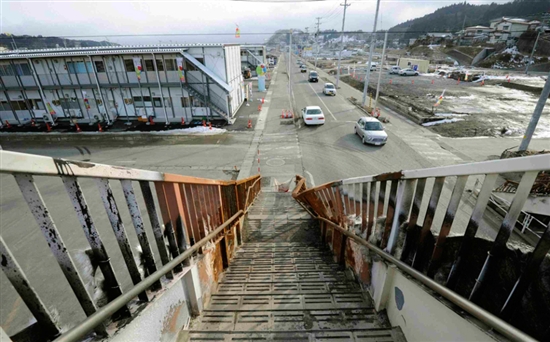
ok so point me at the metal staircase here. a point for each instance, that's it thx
(284, 285)
(208, 100)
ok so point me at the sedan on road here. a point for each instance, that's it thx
(371, 131)
(329, 89)
(408, 72)
(313, 115)
(313, 76)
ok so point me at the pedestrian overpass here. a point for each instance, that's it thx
(358, 259)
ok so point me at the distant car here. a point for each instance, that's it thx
(313, 115)
(395, 70)
(303, 68)
(408, 72)
(329, 89)
(313, 76)
(371, 131)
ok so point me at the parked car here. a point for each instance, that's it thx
(408, 72)
(313, 115)
(371, 131)
(303, 68)
(395, 70)
(329, 89)
(313, 76)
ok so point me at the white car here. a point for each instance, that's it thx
(395, 70)
(313, 115)
(371, 131)
(329, 89)
(408, 72)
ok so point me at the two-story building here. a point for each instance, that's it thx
(507, 30)
(88, 85)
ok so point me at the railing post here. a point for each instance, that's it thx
(57, 246)
(135, 214)
(390, 213)
(113, 214)
(92, 235)
(402, 207)
(19, 280)
(155, 223)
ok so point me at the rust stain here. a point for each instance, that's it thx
(389, 176)
(171, 324)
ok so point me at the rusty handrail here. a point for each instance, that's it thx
(248, 194)
(486, 317)
(79, 331)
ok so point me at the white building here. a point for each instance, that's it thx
(506, 30)
(166, 82)
(252, 56)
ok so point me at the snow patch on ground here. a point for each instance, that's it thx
(193, 130)
(433, 123)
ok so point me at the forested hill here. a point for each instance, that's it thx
(450, 18)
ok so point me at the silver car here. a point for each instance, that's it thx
(408, 72)
(371, 131)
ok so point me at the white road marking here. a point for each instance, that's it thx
(311, 178)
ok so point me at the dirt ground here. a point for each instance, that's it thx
(496, 108)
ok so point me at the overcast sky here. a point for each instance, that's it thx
(106, 18)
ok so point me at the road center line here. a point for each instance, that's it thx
(323, 102)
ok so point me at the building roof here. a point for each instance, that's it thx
(439, 34)
(103, 50)
(515, 21)
(478, 27)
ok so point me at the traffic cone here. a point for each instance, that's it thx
(151, 121)
(263, 100)
(8, 124)
(48, 127)
(412, 82)
(203, 123)
(391, 81)
(249, 124)
(482, 82)
(432, 81)
(210, 126)
(99, 127)
(33, 124)
(259, 107)
(78, 130)
(282, 114)
(182, 121)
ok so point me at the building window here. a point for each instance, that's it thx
(185, 102)
(129, 64)
(243, 53)
(149, 65)
(19, 105)
(4, 105)
(160, 65)
(37, 104)
(157, 103)
(197, 102)
(261, 53)
(23, 69)
(71, 103)
(170, 65)
(506, 28)
(6, 70)
(200, 59)
(99, 66)
(79, 67)
(141, 103)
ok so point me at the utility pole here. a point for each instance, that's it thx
(462, 35)
(533, 51)
(317, 41)
(372, 43)
(345, 4)
(536, 116)
(380, 71)
(289, 62)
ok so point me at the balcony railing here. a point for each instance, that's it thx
(193, 210)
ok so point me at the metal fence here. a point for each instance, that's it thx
(353, 206)
(192, 210)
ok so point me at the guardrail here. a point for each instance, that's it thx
(193, 211)
(353, 206)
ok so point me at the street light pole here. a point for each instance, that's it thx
(372, 42)
(380, 71)
(317, 42)
(345, 4)
(536, 116)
